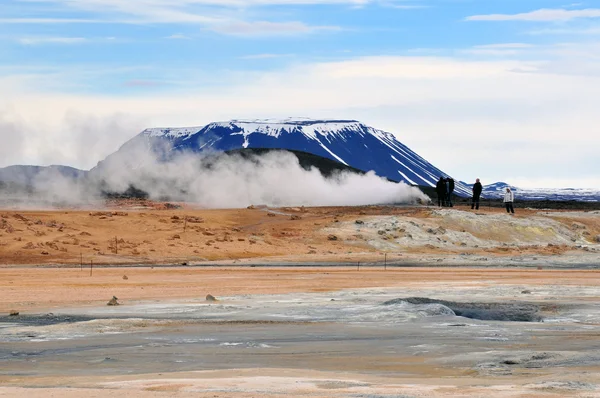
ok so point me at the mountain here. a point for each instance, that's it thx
(497, 190)
(25, 175)
(348, 142)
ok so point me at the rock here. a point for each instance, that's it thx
(113, 301)
(210, 297)
(526, 292)
(125, 277)
(332, 237)
(597, 239)
(251, 207)
(45, 253)
(175, 218)
(172, 206)
(13, 313)
(295, 217)
(176, 237)
(271, 214)
(380, 232)
(359, 222)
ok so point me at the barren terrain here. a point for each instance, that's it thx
(390, 310)
(147, 233)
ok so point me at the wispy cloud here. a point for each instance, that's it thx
(266, 56)
(542, 15)
(33, 41)
(177, 36)
(567, 31)
(221, 16)
(264, 28)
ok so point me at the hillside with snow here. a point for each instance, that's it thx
(349, 142)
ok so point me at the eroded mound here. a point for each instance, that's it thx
(512, 312)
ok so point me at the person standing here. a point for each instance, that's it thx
(450, 191)
(509, 198)
(440, 189)
(477, 188)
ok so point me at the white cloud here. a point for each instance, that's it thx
(455, 112)
(37, 40)
(542, 15)
(262, 28)
(178, 36)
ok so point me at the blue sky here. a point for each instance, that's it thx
(510, 85)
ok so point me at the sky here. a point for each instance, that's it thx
(502, 90)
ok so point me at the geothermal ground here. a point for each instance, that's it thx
(471, 303)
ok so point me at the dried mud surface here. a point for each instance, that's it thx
(521, 321)
(127, 232)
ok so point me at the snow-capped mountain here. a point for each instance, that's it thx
(496, 191)
(346, 141)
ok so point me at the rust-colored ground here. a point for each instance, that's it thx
(30, 290)
(148, 233)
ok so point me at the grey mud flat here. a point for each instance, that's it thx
(383, 342)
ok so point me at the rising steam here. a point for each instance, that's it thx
(220, 181)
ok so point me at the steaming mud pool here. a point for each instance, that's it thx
(411, 342)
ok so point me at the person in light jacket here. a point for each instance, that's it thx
(509, 198)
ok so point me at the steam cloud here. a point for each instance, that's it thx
(219, 181)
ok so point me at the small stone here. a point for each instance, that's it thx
(526, 292)
(210, 297)
(332, 237)
(271, 214)
(113, 301)
(125, 277)
(14, 313)
(359, 222)
(176, 236)
(295, 217)
(45, 253)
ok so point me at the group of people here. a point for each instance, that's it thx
(445, 188)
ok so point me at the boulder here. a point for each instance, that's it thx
(113, 301)
(210, 297)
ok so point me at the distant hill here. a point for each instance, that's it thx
(348, 142)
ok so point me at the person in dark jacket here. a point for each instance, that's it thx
(477, 188)
(450, 191)
(440, 189)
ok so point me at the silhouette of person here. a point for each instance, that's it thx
(450, 181)
(440, 189)
(477, 188)
(509, 198)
